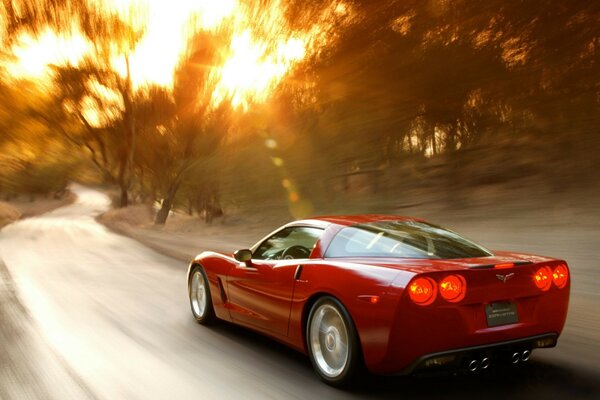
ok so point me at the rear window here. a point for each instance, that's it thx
(402, 239)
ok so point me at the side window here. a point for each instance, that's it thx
(288, 244)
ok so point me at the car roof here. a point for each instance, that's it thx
(347, 220)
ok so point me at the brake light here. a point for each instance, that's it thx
(453, 288)
(560, 276)
(504, 266)
(543, 278)
(422, 291)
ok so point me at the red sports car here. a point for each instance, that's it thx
(396, 295)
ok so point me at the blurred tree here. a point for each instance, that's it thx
(83, 86)
(34, 16)
(103, 103)
(438, 76)
(197, 128)
(33, 159)
(448, 82)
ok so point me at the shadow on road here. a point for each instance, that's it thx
(529, 381)
(532, 380)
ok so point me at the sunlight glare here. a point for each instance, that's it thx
(250, 71)
(168, 27)
(34, 55)
(260, 49)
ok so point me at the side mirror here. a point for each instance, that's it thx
(243, 255)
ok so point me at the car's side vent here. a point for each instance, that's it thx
(222, 291)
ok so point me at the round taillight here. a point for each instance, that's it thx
(453, 288)
(543, 278)
(422, 291)
(560, 275)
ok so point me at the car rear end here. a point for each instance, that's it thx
(476, 316)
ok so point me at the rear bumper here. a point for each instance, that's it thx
(496, 353)
(418, 332)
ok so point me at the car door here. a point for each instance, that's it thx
(260, 292)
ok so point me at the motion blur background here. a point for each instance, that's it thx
(211, 122)
(303, 107)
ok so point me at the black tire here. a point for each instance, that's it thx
(201, 301)
(329, 324)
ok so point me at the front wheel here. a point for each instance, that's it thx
(332, 342)
(200, 298)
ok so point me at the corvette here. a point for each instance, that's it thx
(393, 294)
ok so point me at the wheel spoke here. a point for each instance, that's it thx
(329, 340)
(198, 294)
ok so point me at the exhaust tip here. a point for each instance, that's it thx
(473, 365)
(516, 357)
(485, 363)
(525, 355)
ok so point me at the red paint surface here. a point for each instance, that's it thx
(393, 331)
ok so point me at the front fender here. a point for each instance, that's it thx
(216, 266)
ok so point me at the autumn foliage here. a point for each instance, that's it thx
(301, 102)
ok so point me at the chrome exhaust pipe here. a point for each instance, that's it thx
(473, 365)
(516, 357)
(525, 355)
(485, 363)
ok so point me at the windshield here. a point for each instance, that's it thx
(403, 239)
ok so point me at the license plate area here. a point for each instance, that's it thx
(501, 313)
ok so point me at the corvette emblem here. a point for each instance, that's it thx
(506, 277)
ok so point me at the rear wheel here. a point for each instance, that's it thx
(332, 342)
(200, 298)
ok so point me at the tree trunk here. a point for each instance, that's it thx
(163, 213)
(124, 202)
(167, 204)
(123, 184)
(126, 162)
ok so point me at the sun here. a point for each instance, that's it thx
(252, 70)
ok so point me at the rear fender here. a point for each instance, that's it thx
(354, 286)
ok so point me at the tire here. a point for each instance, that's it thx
(332, 342)
(200, 298)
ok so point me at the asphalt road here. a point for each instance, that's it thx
(85, 313)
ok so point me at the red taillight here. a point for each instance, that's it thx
(560, 276)
(422, 291)
(504, 266)
(453, 288)
(543, 278)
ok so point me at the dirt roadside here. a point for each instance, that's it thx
(183, 237)
(20, 208)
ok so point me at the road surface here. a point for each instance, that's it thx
(88, 314)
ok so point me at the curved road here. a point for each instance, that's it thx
(86, 313)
